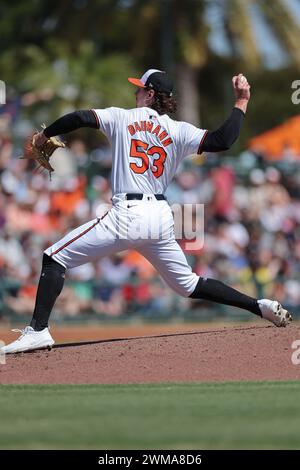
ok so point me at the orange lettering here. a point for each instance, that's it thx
(131, 129)
(167, 142)
(149, 126)
(156, 131)
(162, 135)
(137, 127)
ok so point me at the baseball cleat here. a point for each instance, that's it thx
(274, 312)
(29, 341)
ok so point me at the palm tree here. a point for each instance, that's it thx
(176, 34)
(285, 27)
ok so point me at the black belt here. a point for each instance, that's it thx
(129, 196)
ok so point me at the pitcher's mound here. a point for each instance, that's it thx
(215, 354)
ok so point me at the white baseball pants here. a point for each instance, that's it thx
(146, 226)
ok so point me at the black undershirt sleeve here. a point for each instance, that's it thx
(214, 141)
(71, 122)
(222, 138)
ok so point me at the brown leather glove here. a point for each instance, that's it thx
(42, 153)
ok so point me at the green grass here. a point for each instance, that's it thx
(256, 415)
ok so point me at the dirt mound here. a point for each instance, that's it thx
(215, 354)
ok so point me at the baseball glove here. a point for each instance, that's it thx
(42, 153)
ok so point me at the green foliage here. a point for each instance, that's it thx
(68, 54)
(63, 80)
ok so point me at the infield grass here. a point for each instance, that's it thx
(247, 415)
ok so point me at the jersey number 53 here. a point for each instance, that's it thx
(139, 149)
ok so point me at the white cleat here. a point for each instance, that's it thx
(29, 340)
(274, 312)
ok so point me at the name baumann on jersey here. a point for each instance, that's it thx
(148, 126)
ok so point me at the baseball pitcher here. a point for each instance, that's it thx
(147, 147)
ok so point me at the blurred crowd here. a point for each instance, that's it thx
(251, 223)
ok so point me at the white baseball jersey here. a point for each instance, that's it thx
(146, 147)
(146, 151)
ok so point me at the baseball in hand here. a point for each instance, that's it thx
(241, 80)
(241, 87)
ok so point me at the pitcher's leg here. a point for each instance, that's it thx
(77, 247)
(88, 242)
(50, 286)
(169, 260)
(217, 291)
